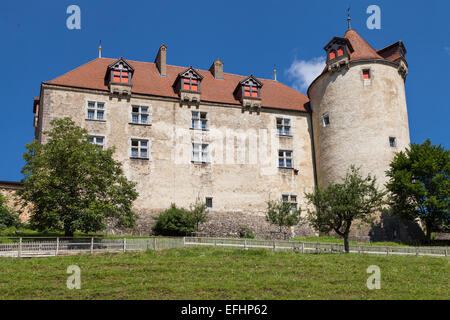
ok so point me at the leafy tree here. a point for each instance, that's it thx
(420, 187)
(74, 184)
(198, 212)
(8, 218)
(280, 213)
(338, 205)
(174, 222)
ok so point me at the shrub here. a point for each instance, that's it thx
(8, 218)
(174, 222)
(246, 232)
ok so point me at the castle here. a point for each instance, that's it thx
(238, 141)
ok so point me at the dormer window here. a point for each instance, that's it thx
(120, 72)
(121, 76)
(338, 49)
(332, 55)
(189, 81)
(190, 84)
(249, 88)
(251, 91)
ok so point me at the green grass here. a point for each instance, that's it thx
(330, 239)
(218, 273)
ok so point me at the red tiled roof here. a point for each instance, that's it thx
(392, 52)
(146, 80)
(362, 50)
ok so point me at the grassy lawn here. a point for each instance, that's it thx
(218, 273)
(329, 239)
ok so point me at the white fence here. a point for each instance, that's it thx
(45, 247)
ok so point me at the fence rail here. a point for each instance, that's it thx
(46, 247)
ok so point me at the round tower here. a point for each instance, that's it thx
(359, 108)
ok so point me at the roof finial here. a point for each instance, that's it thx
(349, 19)
(274, 73)
(100, 49)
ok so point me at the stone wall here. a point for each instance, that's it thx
(243, 174)
(9, 191)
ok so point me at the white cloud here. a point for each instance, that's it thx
(447, 49)
(303, 72)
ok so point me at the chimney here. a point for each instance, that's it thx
(161, 60)
(217, 69)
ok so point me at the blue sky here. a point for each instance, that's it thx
(249, 37)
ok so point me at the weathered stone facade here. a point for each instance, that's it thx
(242, 176)
(13, 201)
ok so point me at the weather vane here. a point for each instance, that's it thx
(349, 19)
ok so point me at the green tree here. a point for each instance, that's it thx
(74, 184)
(8, 218)
(419, 185)
(174, 222)
(280, 213)
(339, 204)
(198, 212)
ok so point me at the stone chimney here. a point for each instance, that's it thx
(217, 69)
(161, 60)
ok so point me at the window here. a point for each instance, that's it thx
(121, 76)
(209, 202)
(139, 148)
(190, 84)
(366, 74)
(200, 152)
(332, 54)
(392, 142)
(340, 51)
(199, 120)
(251, 91)
(285, 158)
(97, 140)
(96, 110)
(139, 114)
(284, 126)
(326, 120)
(292, 199)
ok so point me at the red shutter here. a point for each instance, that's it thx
(366, 74)
(340, 51)
(332, 55)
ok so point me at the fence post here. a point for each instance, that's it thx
(57, 246)
(303, 247)
(124, 244)
(154, 243)
(417, 251)
(20, 248)
(215, 242)
(317, 248)
(387, 251)
(245, 244)
(92, 245)
(359, 249)
(274, 245)
(446, 251)
(184, 242)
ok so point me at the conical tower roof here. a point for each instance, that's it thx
(361, 49)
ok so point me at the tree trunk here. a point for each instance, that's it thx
(346, 245)
(428, 232)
